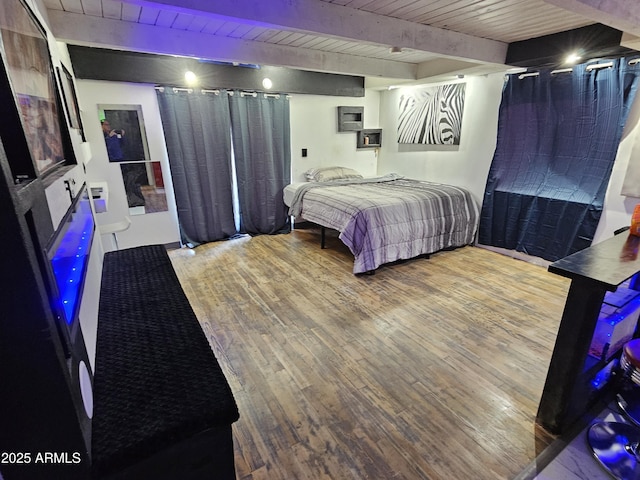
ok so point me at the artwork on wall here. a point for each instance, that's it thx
(431, 115)
(144, 186)
(28, 66)
(70, 99)
(124, 134)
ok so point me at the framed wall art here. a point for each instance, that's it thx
(26, 61)
(431, 115)
(70, 99)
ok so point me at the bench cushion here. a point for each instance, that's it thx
(157, 381)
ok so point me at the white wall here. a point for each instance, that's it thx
(466, 165)
(618, 208)
(150, 228)
(314, 126)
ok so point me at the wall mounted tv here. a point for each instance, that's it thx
(68, 258)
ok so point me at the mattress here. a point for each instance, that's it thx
(290, 191)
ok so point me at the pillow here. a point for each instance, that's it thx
(326, 174)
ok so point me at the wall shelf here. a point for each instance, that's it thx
(370, 138)
(350, 119)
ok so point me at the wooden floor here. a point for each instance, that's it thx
(429, 369)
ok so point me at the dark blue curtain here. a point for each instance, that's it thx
(558, 135)
(262, 152)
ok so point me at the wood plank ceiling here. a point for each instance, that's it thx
(343, 36)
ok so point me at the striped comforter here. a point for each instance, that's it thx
(389, 218)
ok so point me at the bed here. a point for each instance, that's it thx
(388, 218)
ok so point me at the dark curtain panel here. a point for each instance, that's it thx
(261, 146)
(558, 135)
(197, 132)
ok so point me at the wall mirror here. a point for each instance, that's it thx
(126, 142)
(144, 186)
(124, 133)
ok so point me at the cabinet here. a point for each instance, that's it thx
(577, 379)
(42, 400)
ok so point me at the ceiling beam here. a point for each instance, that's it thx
(623, 15)
(328, 19)
(630, 41)
(442, 67)
(93, 31)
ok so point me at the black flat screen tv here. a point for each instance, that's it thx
(68, 259)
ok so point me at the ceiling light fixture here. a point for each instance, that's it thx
(190, 77)
(572, 58)
(395, 50)
(267, 83)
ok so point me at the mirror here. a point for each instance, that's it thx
(144, 186)
(126, 142)
(124, 134)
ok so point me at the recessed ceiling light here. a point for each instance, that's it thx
(190, 77)
(572, 58)
(267, 83)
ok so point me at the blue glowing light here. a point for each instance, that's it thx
(68, 266)
(602, 377)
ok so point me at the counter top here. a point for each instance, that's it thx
(608, 263)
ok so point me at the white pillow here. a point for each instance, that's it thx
(326, 174)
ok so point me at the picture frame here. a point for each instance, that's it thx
(70, 99)
(26, 60)
(431, 115)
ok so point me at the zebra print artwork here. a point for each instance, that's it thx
(431, 116)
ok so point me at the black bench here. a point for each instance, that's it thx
(162, 406)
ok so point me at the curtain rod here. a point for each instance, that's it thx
(217, 92)
(562, 70)
(175, 89)
(595, 66)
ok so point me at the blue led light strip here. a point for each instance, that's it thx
(70, 257)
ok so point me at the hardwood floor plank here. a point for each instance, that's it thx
(429, 369)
